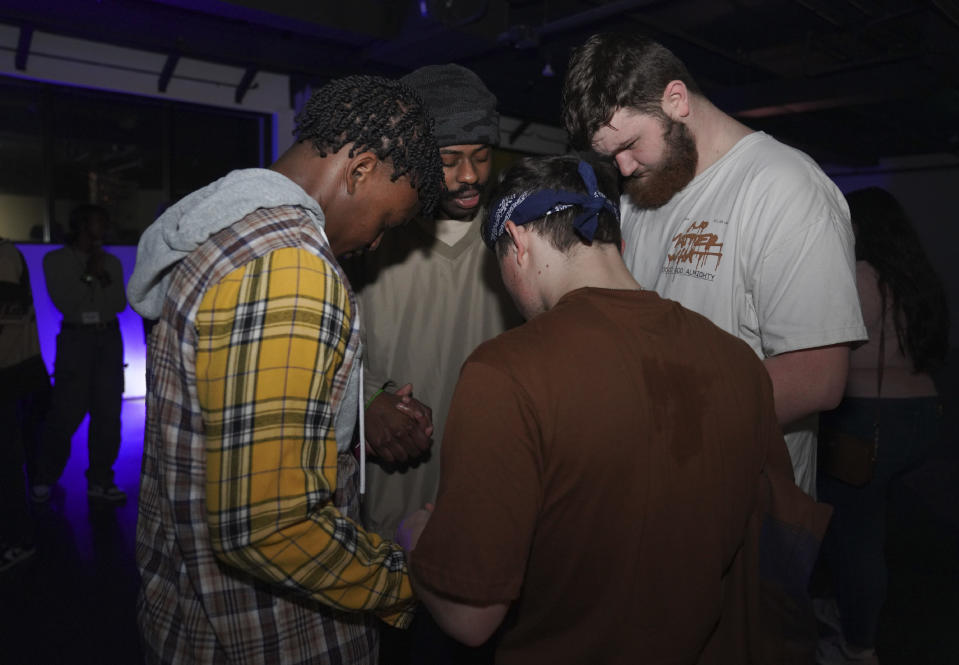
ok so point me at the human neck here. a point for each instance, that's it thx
(598, 266)
(714, 132)
(299, 164)
(450, 231)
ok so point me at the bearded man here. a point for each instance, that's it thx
(727, 221)
(429, 296)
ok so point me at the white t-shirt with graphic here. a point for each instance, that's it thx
(761, 244)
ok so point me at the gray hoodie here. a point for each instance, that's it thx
(191, 221)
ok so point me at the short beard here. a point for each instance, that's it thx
(677, 168)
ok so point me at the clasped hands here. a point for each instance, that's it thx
(96, 266)
(399, 428)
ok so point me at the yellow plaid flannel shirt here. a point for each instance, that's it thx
(270, 337)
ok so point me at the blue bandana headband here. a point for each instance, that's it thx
(525, 207)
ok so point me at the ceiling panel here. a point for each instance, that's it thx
(850, 81)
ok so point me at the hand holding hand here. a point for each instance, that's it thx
(415, 409)
(398, 427)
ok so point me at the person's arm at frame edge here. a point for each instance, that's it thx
(808, 381)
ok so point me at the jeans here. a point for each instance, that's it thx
(88, 379)
(16, 443)
(855, 542)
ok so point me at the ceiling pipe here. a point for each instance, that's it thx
(415, 32)
(168, 67)
(463, 22)
(947, 11)
(245, 83)
(23, 47)
(525, 36)
(591, 16)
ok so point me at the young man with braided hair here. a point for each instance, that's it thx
(727, 221)
(603, 465)
(248, 540)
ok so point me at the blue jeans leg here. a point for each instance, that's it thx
(855, 543)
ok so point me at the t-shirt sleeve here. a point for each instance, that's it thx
(477, 542)
(806, 287)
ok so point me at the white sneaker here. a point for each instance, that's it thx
(835, 651)
(15, 554)
(827, 613)
(110, 493)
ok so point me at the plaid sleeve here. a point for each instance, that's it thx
(271, 336)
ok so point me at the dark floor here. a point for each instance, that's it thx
(74, 603)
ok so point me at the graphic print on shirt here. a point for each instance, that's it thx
(697, 251)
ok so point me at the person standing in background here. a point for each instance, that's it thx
(890, 387)
(85, 283)
(23, 376)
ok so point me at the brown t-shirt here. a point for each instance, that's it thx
(599, 468)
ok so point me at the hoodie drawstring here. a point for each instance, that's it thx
(360, 403)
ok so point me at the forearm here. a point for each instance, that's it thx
(808, 381)
(267, 403)
(271, 513)
(320, 554)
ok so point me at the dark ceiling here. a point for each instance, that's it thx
(849, 81)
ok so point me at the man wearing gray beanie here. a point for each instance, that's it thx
(463, 109)
(428, 296)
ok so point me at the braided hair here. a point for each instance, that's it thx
(383, 116)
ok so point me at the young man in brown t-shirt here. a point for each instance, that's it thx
(599, 493)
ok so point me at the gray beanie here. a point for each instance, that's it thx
(463, 109)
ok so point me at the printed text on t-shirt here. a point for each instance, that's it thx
(694, 250)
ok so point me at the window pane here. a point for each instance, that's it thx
(63, 146)
(208, 144)
(107, 150)
(22, 207)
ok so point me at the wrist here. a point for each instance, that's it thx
(373, 397)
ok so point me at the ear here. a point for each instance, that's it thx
(360, 169)
(520, 237)
(676, 100)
